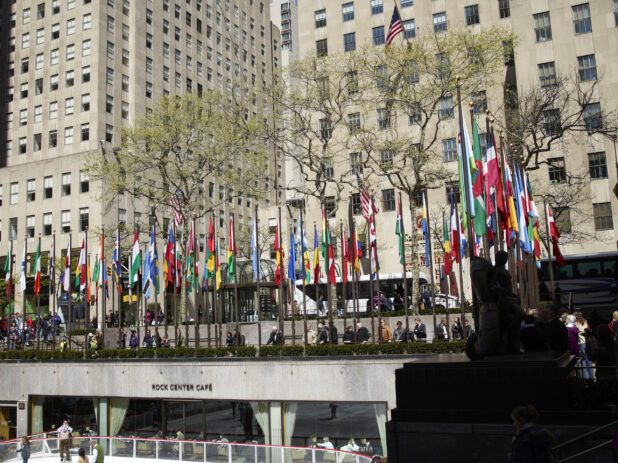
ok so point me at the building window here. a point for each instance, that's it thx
(86, 44)
(381, 76)
(25, 41)
(110, 50)
(587, 67)
(66, 184)
(446, 110)
(55, 6)
(354, 123)
(551, 122)
(69, 79)
(25, 64)
(376, 6)
(407, 3)
(472, 15)
(48, 187)
(23, 116)
(125, 83)
(83, 218)
(13, 228)
(542, 26)
(148, 90)
(388, 200)
(109, 104)
(592, 117)
(65, 222)
(386, 159)
(30, 226)
(86, 22)
(556, 170)
(415, 115)
(54, 57)
(479, 99)
(597, 165)
(85, 104)
(357, 207)
(68, 106)
(409, 28)
(23, 145)
(449, 150)
(356, 163)
(84, 182)
(52, 139)
(320, 18)
(36, 142)
(349, 41)
(125, 110)
(347, 11)
(384, 119)
(581, 19)
(602, 216)
(125, 57)
(327, 171)
(13, 193)
(38, 113)
(85, 132)
(547, 74)
(71, 26)
(109, 133)
(47, 224)
(504, 8)
(439, 22)
(321, 47)
(86, 74)
(325, 130)
(378, 35)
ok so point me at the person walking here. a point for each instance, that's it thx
(25, 449)
(531, 442)
(64, 434)
(98, 454)
(386, 335)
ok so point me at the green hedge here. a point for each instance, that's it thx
(245, 351)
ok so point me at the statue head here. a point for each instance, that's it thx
(501, 258)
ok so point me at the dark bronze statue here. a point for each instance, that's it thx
(498, 314)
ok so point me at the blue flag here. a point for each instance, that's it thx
(292, 261)
(254, 251)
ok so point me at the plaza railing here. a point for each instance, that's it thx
(122, 449)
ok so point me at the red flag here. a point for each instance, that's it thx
(277, 248)
(555, 235)
(346, 257)
(332, 277)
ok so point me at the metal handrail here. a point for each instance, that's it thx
(584, 435)
(586, 451)
(227, 448)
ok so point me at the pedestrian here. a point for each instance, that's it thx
(133, 341)
(531, 442)
(362, 334)
(311, 336)
(238, 338)
(64, 344)
(457, 330)
(64, 434)
(275, 337)
(555, 332)
(82, 457)
(323, 334)
(613, 326)
(148, 341)
(25, 449)
(442, 331)
(229, 340)
(386, 335)
(572, 331)
(321, 306)
(122, 339)
(420, 331)
(98, 455)
(399, 334)
(339, 305)
(348, 336)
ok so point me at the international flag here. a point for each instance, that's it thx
(425, 232)
(146, 282)
(88, 280)
(358, 254)
(524, 242)
(395, 28)
(7, 268)
(510, 201)
(80, 272)
(292, 259)
(346, 256)
(66, 277)
(97, 274)
(304, 250)
(37, 269)
(254, 251)
(52, 267)
(117, 262)
(177, 211)
(189, 272)
(231, 253)
(480, 216)
(210, 253)
(152, 262)
(465, 162)
(455, 241)
(169, 264)
(136, 260)
(332, 276)
(366, 201)
(22, 274)
(316, 257)
(555, 236)
(217, 268)
(278, 260)
(448, 262)
(325, 242)
(375, 267)
(400, 231)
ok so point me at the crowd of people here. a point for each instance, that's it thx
(17, 330)
(592, 340)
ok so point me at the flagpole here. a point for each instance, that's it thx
(316, 282)
(38, 300)
(232, 246)
(144, 299)
(183, 290)
(69, 305)
(281, 278)
(447, 281)
(484, 239)
(257, 282)
(373, 215)
(352, 238)
(292, 286)
(344, 277)
(87, 309)
(214, 287)
(549, 251)
(174, 276)
(462, 307)
(371, 306)
(101, 321)
(196, 284)
(329, 295)
(403, 270)
(23, 293)
(206, 309)
(154, 280)
(431, 270)
(303, 274)
(51, 290)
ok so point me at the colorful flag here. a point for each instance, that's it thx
(292, 259)
(448, 263)
(169, 264)
(316, 257)
(37, 269)
(136, 261)
(189, 271)
(510, 201)
(464, 160)
(279, 257)
(366, 201)
(7, 268)
(375, 267)
(217, 267)
(254, 251)
(152, 261)
(345, 257)
(231, 253)
(88, 280)
(80, 272)
(210, 253)
(400, 232)
(146, 281)
(117, 262)
(358, 254)
(480, 216)
(425, 233)
(455, 240)
(524, 242)
(22, 274)
(52, 266)
(66, 277)
(555, 235)
(176, 210)
(304, 250)
(395, 28)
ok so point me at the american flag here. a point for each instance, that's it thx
(176, 210)
(395, 28)
(366, 200)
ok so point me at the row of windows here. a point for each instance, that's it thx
(48, 188)
(582, 23)
(586, 66)
(52, 138)
(47, 223)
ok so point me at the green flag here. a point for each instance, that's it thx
(480, 223)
